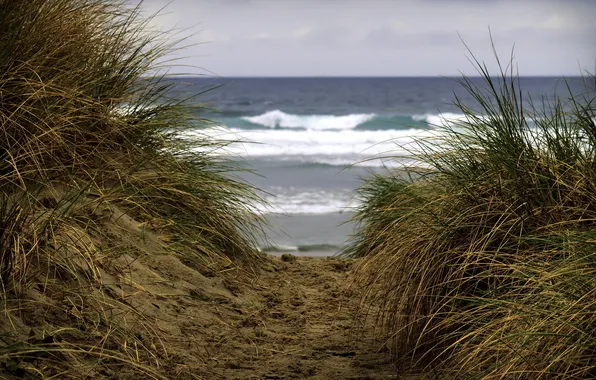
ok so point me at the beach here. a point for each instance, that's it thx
(296, 319)
(159, 225)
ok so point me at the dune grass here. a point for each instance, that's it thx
(89, 129)
(480, 259)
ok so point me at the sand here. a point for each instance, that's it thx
(288, 318)
(295, 319)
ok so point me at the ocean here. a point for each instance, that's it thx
(310, 142)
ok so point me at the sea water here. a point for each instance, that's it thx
(312, 141)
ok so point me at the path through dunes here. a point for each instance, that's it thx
(295, 320)
(292, 319)
(301, 325)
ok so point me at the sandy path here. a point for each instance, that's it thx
(292, 320)
(297, 322)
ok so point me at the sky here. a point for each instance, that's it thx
(377, 37)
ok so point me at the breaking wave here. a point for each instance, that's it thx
(280, 119)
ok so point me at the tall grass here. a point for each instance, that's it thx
(480, 259)
(85, 108)
(88, 121)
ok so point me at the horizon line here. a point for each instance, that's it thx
(187, 75)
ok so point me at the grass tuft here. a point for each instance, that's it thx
(480, 259)
(93, 167)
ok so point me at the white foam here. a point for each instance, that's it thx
(315, 201)
(307, 143)
(387, 161)
(279, 118)
(442, 119)
(348, 147)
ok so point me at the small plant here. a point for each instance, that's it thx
(480, 259)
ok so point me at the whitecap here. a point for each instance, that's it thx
(348, 147)
(442, 119)
(277, 118)
(311, 202)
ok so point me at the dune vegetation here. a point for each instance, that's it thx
(117, 232)
(479, 260)
(92, 170)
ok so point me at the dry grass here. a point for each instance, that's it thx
(89, 138)
(481, 259)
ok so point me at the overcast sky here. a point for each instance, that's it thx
(379, 37)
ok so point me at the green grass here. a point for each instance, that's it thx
(480, 259)
(89, 125)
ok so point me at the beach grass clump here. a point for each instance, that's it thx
(480, 259)
(86, 110)
(90, 139)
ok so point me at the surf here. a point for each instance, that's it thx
(280, 119)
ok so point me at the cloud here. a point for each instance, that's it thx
(380, 37)
(390, 38)
(260, 36)
(553, 22)
(302, 32)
